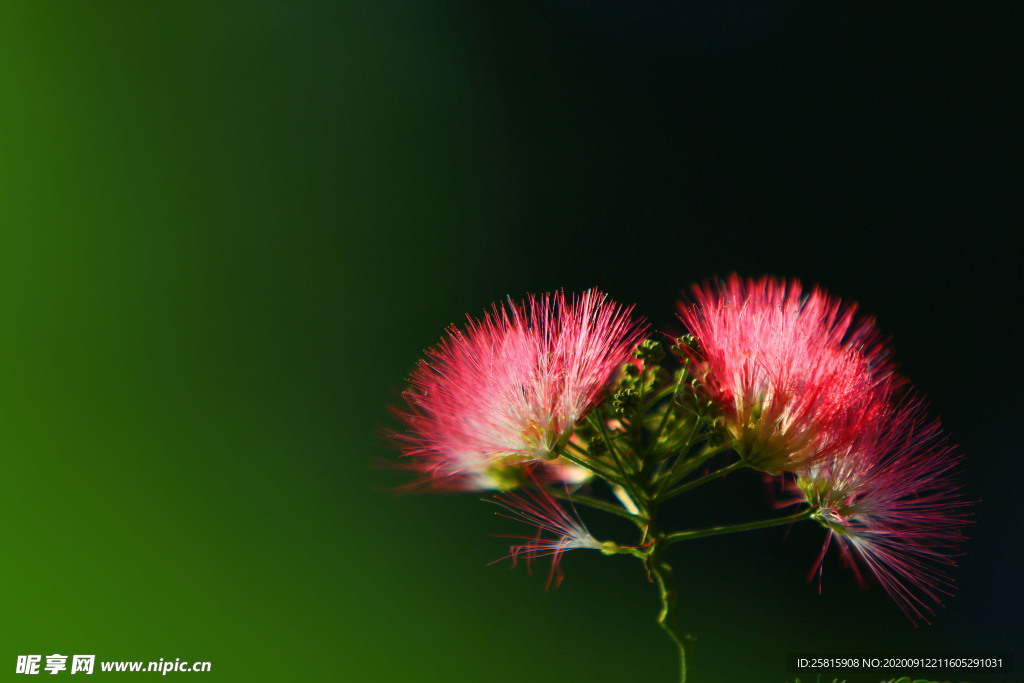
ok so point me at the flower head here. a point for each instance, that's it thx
(536, 507)
(795, 376)
(510, 389)
(891, 502)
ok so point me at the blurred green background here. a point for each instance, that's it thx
(228, 230)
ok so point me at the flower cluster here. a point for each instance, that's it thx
(805, 387)
(793, 384)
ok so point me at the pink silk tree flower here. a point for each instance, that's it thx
(537, 507)
(892, 502)
(795, 376)
(511, 388)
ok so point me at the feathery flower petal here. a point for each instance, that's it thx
(795, 376)
(536, 507)
(510, 389)
(892, 502)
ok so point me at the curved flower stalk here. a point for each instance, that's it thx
(795, 377)
(892, 503)
(511, 388)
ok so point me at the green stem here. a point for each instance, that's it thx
(678, 473)
(597, 504)
(643, 390)
(626, 481)
(662, 573)
(609, 548)
(733, 528)
(668, 410)
(658, 396)
(590, 465)
(637, 422)
(701, 480)
(682, 466)
(583, 452)
(599, 424)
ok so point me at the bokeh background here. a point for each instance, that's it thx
(229, 229)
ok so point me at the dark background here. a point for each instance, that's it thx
(229, 230)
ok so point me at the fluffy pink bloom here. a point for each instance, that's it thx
(891, 502)
(795, 376)
(510, 389)
(536, 507)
